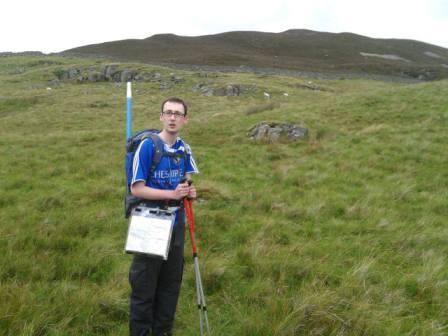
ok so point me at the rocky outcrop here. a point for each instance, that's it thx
(229, 90)
(272, 131)
(112, 73)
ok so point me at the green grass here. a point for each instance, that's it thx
(343, 233)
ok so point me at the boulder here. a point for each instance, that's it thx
(20, 70)
(203, 89)
(207, 74)
(308, 86)
(156, 76)
(55, 83)
(233, 90)
(127, 75)
(228, 90)
(177, 79)
(272, 131)
(109, 71)
(95, 76)
(116, 76)
(71, 74)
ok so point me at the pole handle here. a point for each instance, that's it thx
(184, 179)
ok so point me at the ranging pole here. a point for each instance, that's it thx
(129, 111)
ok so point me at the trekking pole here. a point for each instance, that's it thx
(202, 309)
(199, 288)
(128, 111)
(193, 245)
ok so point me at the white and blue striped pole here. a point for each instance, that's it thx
(129, 111)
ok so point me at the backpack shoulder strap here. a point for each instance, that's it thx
(158, 151)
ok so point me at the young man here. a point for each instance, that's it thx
(155, 283)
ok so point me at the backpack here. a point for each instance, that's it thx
(130, 201)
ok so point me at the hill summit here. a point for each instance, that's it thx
(297, 49)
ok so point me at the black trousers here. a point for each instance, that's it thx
(155, 287)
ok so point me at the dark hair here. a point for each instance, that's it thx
(175, 100)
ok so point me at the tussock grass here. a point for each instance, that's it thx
(343, 233)
(262, 108)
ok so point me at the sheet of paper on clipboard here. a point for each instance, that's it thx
(150, 232)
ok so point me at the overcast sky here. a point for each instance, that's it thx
(57, 25)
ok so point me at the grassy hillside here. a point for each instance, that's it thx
(343, 233)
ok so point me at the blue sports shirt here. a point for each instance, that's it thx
(169, 171)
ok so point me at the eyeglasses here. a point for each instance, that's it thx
(176, 114)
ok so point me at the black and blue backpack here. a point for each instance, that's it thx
(131, 201)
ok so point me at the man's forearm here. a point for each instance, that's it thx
(152, 193)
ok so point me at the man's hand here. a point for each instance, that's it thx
(192, 192)
(182, 190)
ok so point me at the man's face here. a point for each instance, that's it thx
(173, 117)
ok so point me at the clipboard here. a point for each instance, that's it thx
(150, 231)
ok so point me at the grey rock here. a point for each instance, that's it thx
(127, 75)
(208, 93)
(272, 131)
(308, 86)
(20, 70)
(177, 79)
(152, 76)
(221, 91)
(71, 74)
(108, 71)
(55, 83)
(116, 76)
(206, 74)
(80, 79)
(203, 89)
(95, 76)
(233, 90)
(228, 90)
(199, 86)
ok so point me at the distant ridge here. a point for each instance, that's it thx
(21, 53)
(297, 49)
